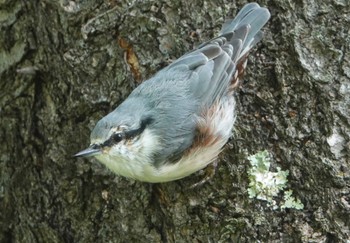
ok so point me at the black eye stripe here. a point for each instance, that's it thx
(114, 139)
(143, 125)
(119, 136)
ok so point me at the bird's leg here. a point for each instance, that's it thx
(209, 172)
(159, 194)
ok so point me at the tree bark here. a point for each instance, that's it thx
(65, 64)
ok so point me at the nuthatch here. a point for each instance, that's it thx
(177, 122)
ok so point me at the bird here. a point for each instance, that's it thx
(178, 121)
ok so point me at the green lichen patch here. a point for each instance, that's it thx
(266, 185)
(291, 202)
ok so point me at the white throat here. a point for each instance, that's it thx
(132, 158)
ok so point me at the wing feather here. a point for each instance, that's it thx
(213, 64)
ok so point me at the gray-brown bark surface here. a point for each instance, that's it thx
(63, 66)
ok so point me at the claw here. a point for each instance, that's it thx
(159, 194)
(209, 173)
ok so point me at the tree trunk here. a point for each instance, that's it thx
(65, 64)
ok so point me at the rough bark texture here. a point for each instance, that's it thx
(65, 64)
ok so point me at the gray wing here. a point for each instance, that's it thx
(214, 63)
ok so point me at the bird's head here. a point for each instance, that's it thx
(121, 137)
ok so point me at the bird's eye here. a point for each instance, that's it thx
(117, 137)
(113, 139)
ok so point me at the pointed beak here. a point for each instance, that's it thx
(90, 151)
